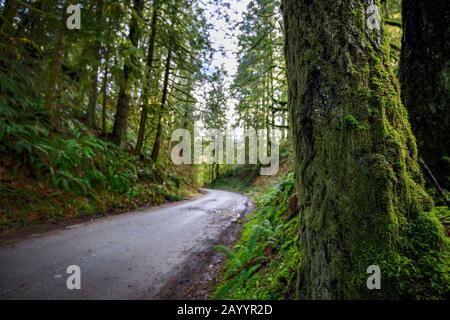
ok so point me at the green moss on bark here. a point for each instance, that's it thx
(358, 190)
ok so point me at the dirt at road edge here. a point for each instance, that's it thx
(201, 273)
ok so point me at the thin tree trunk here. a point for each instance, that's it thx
(123, 103)
(266, 98)
(105, 92)
(148, 82)
(55, 70)
(425, 80)
(90, 112)
(158, 136)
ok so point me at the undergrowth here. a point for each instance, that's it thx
(240, 179)
(263, 264)
(247, 179)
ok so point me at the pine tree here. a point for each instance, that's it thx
(260, 83)
(123, 103)
(96, 48)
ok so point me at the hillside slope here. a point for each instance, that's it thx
(51, 175)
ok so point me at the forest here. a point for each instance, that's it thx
(351, 96)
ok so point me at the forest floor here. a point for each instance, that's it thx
(164, 252)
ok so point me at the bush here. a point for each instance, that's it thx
(263, 265)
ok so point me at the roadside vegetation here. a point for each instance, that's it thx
(370, 162)
(53, 175)
(264, 262)
(360, 109)
(86, 114)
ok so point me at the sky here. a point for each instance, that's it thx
(224, 34)
(224, 40)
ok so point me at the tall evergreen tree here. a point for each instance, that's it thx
(425, 80)
(55, 69)
(96, 55)
(123, 103)
(165, 93)
(260, 84)
(149, 78)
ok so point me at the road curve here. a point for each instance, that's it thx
(128, 256)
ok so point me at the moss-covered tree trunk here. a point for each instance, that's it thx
(358, 179)
(425, 80)
(105, 90)
(55, 69)
(148, 81)
(123, 103)
(165, 93)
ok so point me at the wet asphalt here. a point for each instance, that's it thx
(127, 256)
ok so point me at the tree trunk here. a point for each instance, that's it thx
(7, 19)
(55, 71)
(425, 80)
(357, 173)
(158, 136)
(148, 82)
(90, 112)
(123, 103)
(283, 124)
(105, 92)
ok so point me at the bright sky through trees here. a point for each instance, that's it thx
(224, 40)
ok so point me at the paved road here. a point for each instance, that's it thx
(128, 256)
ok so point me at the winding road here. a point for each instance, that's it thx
(127, 256)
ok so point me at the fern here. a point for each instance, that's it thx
(246, 260)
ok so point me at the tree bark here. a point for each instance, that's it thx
(425, 80)
(159, 128)
(123, 103)
(357, 172)
(90, 112)
(148, 82)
